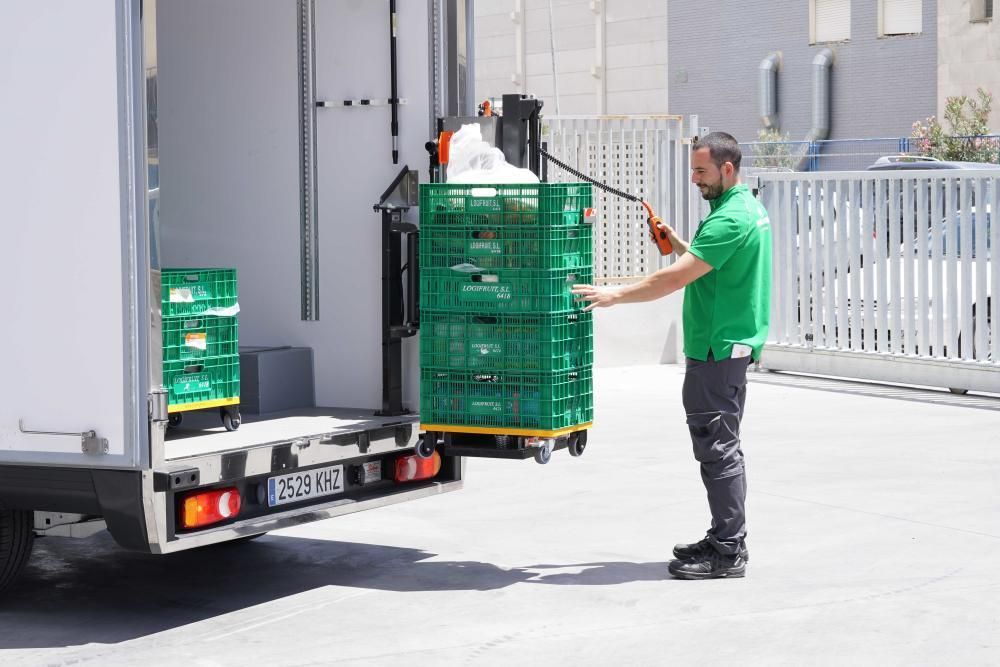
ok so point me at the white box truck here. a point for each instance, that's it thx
(136, 135)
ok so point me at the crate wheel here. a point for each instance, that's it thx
(425, 446)
(577, 443)
(543, 454)
(231, 419)
(174, 419)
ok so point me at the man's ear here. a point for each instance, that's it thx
(728, 169)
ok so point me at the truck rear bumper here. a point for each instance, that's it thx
(300, 516)
(141, 508)
(345, 439)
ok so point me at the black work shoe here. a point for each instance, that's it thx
(712, 565)
(698, 549)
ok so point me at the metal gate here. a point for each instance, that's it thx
(644, 155)
(886, 276)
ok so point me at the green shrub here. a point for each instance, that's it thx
(968, 123)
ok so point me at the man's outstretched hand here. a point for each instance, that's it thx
(598, 297)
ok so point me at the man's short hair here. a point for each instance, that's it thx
(722, 148)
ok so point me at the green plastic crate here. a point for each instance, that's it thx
(506, 246)
(546, 343)
(198, 381)
(538, 401)
(199, 336)
(544, 204)
(194, 291)
(465, 289)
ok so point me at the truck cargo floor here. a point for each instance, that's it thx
(203, 432)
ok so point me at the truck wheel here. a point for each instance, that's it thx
(231, 420)
(16, 537)
(577, 443)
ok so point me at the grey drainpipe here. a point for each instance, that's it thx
(767, 90)
(821, 64)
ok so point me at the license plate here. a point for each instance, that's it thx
(304, 485)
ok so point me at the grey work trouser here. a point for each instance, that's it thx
(714, 394)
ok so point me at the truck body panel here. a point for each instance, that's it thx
(73, 258)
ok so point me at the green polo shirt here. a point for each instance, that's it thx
(731, 303)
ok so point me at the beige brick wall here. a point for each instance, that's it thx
(968, 55)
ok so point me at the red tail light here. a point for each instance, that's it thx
(414, 468)
(204, 508)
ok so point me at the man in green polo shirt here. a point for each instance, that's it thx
(726, 275)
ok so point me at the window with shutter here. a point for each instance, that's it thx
(900, 17)
(831, 21)
(982, 10)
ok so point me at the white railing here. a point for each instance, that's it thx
(886, 275)
(643, 155)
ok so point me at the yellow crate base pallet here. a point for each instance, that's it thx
(480, 442)
(229, 411)
(482, 430)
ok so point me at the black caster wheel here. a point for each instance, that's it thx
(231, 419)
(577, 443)
(425, 446)
(543, 454)
(174, 419)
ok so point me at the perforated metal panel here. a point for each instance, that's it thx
(886, 275)
(642, 155)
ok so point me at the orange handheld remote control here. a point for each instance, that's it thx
(659, 235)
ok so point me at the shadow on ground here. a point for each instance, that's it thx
(80, 591)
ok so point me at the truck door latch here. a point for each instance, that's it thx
(89, 442)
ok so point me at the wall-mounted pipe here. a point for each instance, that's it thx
(821, 66)
(767, 90)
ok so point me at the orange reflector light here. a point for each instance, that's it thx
(414, 468)
(207, 507)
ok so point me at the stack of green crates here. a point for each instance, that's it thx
(504, 347)
(201, 358)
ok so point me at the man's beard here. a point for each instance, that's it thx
(711, 192)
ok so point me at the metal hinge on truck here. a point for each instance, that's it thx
(158, 405)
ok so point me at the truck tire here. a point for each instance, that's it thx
(16, 538)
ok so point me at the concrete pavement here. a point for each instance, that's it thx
(874, 517)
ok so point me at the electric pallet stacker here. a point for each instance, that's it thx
(517, 132)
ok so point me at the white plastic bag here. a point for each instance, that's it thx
(472, 160)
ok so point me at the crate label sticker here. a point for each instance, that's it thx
(181, 295)
(479, 247)
(476, 292)
(191, 384)
(483, 204)
(188, 294)
(196, 341)
(483, 407)
(485, 348)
